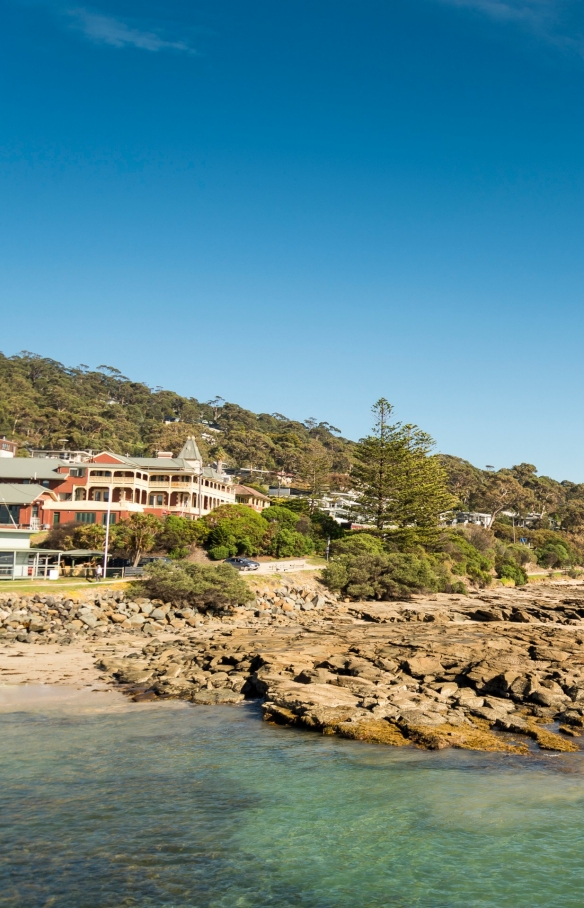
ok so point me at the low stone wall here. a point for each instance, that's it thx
(281, 567)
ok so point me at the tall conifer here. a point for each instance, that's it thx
(398, 481)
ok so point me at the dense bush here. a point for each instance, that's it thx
(367, 565)
(289, 544)
(380, 575)
(358, 544)
(510, 570)
(207, 587)
(284, 517)
(288, 534)
(465, 558)
(235, 527)
(554, 555)
(176, 535)
(239, 530)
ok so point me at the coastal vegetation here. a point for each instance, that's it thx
(403, 489)
(213, 587)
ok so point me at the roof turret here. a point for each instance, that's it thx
(190, 452)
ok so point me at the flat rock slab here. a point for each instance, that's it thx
(216, 697)
(305, 697)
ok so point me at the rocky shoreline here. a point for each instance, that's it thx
(498, 670)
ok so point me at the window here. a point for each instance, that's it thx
(112, 519)
(56, 517)
(45, 483)
(157, 500)
(100, 473)
(85, 517)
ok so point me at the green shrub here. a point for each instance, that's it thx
(466, 559)
(177, 534)
(239, 528)
(220, 552)
(322, 528)
(520, 554)
(554, 554)
(207, 587)
(283, 516)
(458, 587)
(510, 570)
(380, 575)
(357, 544)
(290, 544)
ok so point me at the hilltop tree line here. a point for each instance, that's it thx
(44, 404)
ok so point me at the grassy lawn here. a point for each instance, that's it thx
(555, 575)
(63, 585)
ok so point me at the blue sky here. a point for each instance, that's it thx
(302, 206)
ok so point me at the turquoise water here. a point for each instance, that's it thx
(170, 806)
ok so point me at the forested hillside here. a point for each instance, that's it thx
(47, 405)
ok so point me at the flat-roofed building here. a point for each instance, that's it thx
(20, 561)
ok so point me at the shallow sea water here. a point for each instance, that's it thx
(169, 806)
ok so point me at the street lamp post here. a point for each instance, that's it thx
(107, 529)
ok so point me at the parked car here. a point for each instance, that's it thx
(243, 564)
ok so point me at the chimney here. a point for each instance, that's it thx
(164, 455)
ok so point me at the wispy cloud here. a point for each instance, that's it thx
(108, 30)
(532, 11)
(546, 18)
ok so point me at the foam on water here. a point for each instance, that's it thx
(168, 806)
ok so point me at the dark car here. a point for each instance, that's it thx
(243, 564)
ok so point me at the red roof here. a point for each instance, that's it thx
(245, 490)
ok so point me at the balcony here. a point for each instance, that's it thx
(153, 485)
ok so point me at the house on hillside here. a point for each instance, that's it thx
(251, 497)
(7, 448)
(463, 518)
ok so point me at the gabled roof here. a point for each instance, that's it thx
(19, 493)
(211, 473)
(33, 468)
(108, 457)
(245, 490)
